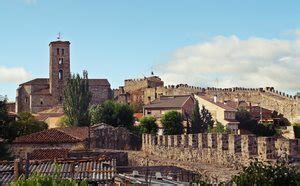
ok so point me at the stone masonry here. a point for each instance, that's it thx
(223, 149)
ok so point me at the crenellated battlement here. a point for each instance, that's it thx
(225, 149)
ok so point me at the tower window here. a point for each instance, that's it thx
(57, 51)
(63, 51)
(60, 61)
(41, 101)
(26, 99)
(60, 74)
(60, 99)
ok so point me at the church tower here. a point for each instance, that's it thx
(59, 68)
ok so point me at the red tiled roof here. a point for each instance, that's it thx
(138, 115)
(63, 135)
(222, 105)
(48, 154)
(176, 101)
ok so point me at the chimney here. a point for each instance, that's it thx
(215, 99)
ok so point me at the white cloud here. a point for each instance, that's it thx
(231, 61)
(13, 75)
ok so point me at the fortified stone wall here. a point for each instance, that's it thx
(267, 97)
(224, 149)
(131, 85)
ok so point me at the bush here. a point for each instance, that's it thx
(148, 125)
(259, 173)
(297, 130)
(172, 123)
(46, 181)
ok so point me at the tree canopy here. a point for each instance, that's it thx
(197, 124)
(148, 125)
(77, 99)
(172, 123)
(112, 113)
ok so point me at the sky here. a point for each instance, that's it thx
(220, 43)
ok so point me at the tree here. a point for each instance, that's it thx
(279, 119)
(220, 128)
(196, 119)
(4, 152)
(3, 110)
(77, 98)
(137, 107)
(148, 125)
(242, 115)
(206, 120)
(25, 124)
(124, 115)
(259, 173)
(112, 113)
(172, 123)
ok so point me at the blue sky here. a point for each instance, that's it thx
(182, 41)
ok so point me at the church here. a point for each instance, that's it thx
(45, 93)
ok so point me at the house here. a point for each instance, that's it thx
(220, 112)
(181, 103)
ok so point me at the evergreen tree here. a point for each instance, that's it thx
(172, 123)
(148, 125)
(206, 120)
(197, 125)
(77, 98)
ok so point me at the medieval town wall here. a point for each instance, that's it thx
(224, 149)
(131, 85)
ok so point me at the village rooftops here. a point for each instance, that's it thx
(222, 105)
(168, 102)
(57, 135)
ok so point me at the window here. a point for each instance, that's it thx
(60, 61)
(57, 51)
(62, 51)
(41, 101)
(60, 99)
(60, 74)
(26, 99)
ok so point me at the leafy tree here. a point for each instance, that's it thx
(197, 124)
(77, 98)
(137, 107)
(279, 119)
(124, 115)
(220, 128)
(112, 113)
(206, 120)
(25, 124)
(3, 110)
(259, 173)
(242, 115)
(172, 123)
(148, 125)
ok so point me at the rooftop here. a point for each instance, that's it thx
(57, 135)
(222, 105)
(170, 102)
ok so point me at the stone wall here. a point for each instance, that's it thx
(223, 149)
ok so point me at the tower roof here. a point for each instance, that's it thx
(59, 42)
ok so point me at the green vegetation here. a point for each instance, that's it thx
(220, 128)
(196, 119)
(297, 130)
(201, 120)
(172, 123)
(148, 125)
(259, 173)
(47, 181)
(25, 124)
(249, 124)
(77, 98)
(112, 113)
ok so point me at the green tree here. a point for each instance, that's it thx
(124, 115)
(242, 115)
(148, 125)
(206, 120)
(77, 98)
(259, 173)
(197, 125)
(3, 110)
(137, 107)
(172, 123)
(112, 113)
(220, 128)
(5, 152)
(25, 124)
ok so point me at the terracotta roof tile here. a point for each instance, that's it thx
(48, 154)
(64, 135)
(169, 102)
(37, 81)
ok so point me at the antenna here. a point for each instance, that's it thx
(58, 36)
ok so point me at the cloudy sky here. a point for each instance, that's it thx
(202, 43)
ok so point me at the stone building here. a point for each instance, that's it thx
(45, 93)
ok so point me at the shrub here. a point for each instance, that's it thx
(148, 125)
(172, 123)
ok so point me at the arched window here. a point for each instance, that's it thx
(60, 74)
(57, 51)
(60, 61)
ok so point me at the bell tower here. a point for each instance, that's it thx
(59, 68)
